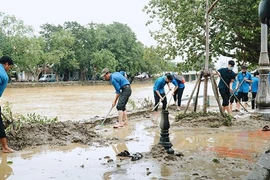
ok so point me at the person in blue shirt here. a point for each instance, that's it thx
(226, 76)
(245, 79)
(178, 90)
(123, 73)
(232, 98)
(254, 88)
(123, 92)
(5, 64)
(159, 90)
(129, 78)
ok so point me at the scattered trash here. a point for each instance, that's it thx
(266, 128)
(136, 156)
(110, 160)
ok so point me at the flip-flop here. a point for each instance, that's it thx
(266, 128)
(136, 156)
(124, 153)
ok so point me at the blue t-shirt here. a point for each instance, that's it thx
(255, 84)
(245, 85)
(3, 79)
(178, 83)
(159, 84)
(118, 81)
(122, 72)
(234, 87)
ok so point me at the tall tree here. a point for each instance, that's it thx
(234, 29)
(122, 42)
(82, 54)
(59, 50)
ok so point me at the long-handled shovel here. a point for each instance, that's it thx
(99, 126)
(232, 92)
(160, 101)
(169, 102)
(237, 88)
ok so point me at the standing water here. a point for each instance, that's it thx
(78, 102)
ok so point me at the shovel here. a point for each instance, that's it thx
(160, 101)
(169, 103)
(99, 126)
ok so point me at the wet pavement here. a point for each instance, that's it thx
(200, 147)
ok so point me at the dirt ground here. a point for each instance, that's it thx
(63, 133)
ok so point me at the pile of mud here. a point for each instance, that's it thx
(59, 133)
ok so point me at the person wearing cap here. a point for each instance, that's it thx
(5, 64)
(245, 79)
(178, 90)
(226, 76)
(123, 92)
(254, 88)
(159, 91)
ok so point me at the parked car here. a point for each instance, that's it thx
(143, 75)
(47, 78)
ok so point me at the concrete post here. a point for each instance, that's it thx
(263, 95)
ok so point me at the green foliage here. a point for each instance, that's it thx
(104, 58)
(234, 30)
(30, 118)
(36, 118)
(73, 47)
(216, 161)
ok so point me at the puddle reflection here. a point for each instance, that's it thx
(5, 168)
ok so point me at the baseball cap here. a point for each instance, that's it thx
(104, 71)
(244, 67)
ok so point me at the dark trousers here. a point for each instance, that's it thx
(123, 98)
(225, 94)
(253, 100)
(157, 98)
(178, 95)
(2, 128)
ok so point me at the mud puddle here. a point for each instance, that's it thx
(205, 153)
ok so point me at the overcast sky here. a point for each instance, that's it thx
(38, 12)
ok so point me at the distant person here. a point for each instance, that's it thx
(5, 64)
(159, 91)
(123, 73)
(227, 77)
(123, 92)
(179, 86)
(245, 79)
(129, 78)
(254, 89)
